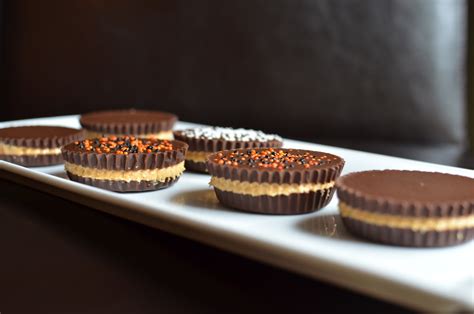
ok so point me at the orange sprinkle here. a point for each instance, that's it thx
(124, 145)
(272, 158)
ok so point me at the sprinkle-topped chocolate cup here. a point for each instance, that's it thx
(34, 146)
(408, 208)
(274, 181)
(125, 164)
(206, 140)
(140, 123)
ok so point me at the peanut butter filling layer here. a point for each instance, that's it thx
(6, 149)
(421, 224)
(159, 174)
(268, 189)
(197, 156)
(163, 135)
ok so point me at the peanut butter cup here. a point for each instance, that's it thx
(125, 164)
(274, 181)
(207, 140)
(408, 208)
(34, 146)
(139, 123)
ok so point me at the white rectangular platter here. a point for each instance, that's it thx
(314, 245)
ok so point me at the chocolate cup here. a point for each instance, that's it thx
(74, 154)
(128, 121)
(293, 204)
(407, 237)
(296, 203)
(200, 167)
(215, 145)
(407, 194)
(422, 206)
(123, 186)
(33, 160)
(38, 136)
(133, 161)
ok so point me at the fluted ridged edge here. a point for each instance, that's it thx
(293, 204)
(356, 199)
(164, 121)
(33, 160)
(132, 161)
(196, 166)
(45, 142)
(324, 174)
(123, 186)
(407, 237)
(215, 145)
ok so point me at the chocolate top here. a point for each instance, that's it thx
(124, 145)
(409, 186)
(275, 165)
(39, 136)
(276, 159)
(228, 134)
(124, 153)
(128, 121)
(214, 139)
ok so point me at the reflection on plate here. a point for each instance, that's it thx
(205, 198)
(326, 225)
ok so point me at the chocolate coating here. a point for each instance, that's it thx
(215, 145)
(39, 136)
(298, 172)
(322, 173)
(33, 161)
(293, 204)
(128, 121)
(408, 193)
(196, 166)
(74, 154)
(123, 186)
(415, 186)
(407, 237)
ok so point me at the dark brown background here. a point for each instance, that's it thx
(385, 76)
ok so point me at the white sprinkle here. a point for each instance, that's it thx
(230, 134)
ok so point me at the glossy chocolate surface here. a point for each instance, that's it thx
(327, 169)
(128, 121)
(74, 153)
(39, 136)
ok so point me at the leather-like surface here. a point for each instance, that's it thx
(321, 70)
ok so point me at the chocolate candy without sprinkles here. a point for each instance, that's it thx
(140, 123)
(408, 208)
(125, 163)
(34, 146)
